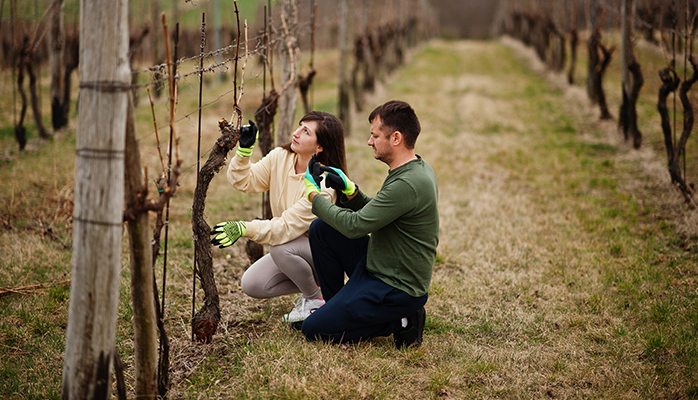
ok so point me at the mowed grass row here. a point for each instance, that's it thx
(561, 272)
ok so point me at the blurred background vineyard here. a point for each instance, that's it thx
(567, 267)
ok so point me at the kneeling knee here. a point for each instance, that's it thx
(316, 227)
(251, 287)
(310, 330)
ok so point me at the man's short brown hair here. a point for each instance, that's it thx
(397, 115)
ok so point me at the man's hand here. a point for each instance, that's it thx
(337, 180)
(312, 177)
(227, 233)
(248, 138)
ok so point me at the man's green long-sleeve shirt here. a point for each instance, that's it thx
(403, 220)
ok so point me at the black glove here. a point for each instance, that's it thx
(312, 176)
(227, 233)
(248, 138)
(337, 180)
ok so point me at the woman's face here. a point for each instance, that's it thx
(304, 140)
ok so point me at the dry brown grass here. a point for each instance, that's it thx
(566, 266)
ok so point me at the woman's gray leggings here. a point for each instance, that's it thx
(287, 269)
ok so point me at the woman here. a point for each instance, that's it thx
(288, 267)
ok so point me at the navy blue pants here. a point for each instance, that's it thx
(363, 308)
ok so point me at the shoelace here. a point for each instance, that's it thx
(299, 302)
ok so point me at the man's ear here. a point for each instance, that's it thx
(396, 138)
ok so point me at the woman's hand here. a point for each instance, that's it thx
(227, 233)
(248, 138)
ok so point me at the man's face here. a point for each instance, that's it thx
(382, 150)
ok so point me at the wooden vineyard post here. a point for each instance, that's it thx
(105, 79)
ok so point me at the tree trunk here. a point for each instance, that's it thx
(24, 64)
(217, 35)
(599, 72)
(56, 47)
(369, 83)
(593, 56)
(356, 85)
(593, 83)
(628, 109)
(627, 57)
(631, 77)
(670, 82)
(344, 70)
(680, 148)
(205, 322)
(142, 296)
(558, 53)
(99, 198)
(304, 83)
(72, 60)
(135, 44)
(157, 46)
(574, 38)
(289, 53)
(34, 96)
(264, 116)
(20, 130)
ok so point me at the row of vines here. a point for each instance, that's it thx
(373, 39)
(554, 30)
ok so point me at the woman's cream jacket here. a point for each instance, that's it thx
(291, 211)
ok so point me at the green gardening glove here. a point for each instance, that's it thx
(227, 233)
(337, 180)
(248, 138)
(312, 177)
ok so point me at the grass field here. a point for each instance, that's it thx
(567, 265)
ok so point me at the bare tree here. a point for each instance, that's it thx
(670, 82)
(289, 66)
(99, 199)
(574, 39)
(557, 58)
(56, 47)
(631, 77)
(595, 46)
(593, 56)
(156, 46)
(369, 75)
(217, 34)
(25, 65)
(346, 34)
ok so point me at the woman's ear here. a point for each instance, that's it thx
(319, 149)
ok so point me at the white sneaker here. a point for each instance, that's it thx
(303, 308)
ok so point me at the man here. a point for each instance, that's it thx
(389, 270)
